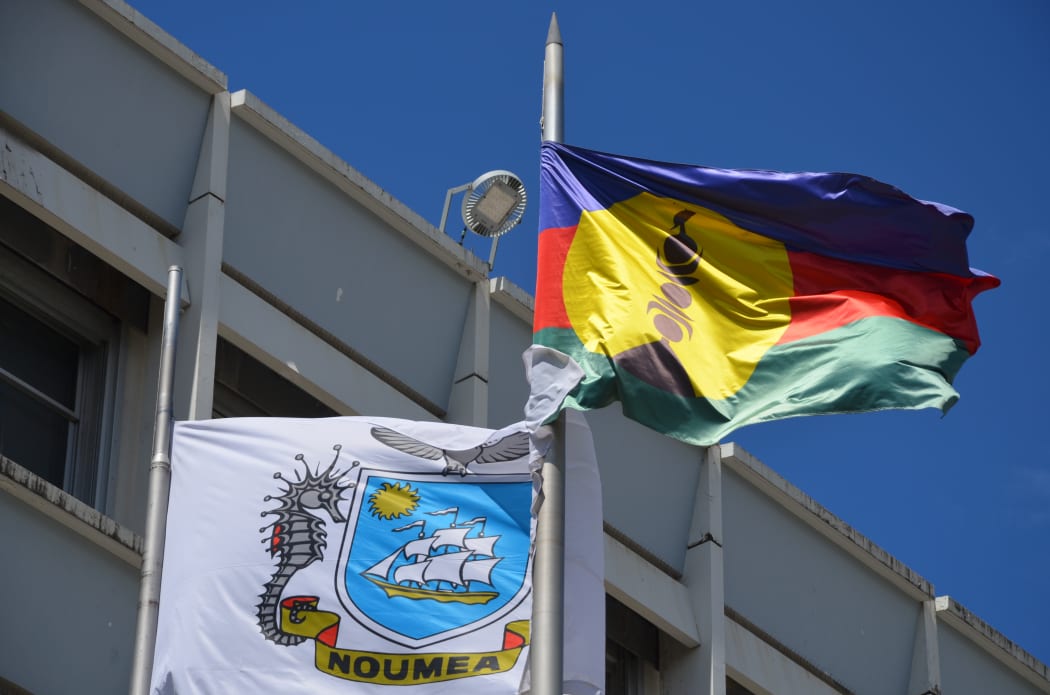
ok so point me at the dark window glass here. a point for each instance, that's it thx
(32, 435)
(621, 670)
(39, 370)
(632, 644)
(245, 387)
(9, 688)
(38, 355)
(734, 688)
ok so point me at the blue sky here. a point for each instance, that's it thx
(947, 100)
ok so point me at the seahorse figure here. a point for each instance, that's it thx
(297, 536)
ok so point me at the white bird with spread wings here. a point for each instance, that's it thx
(508, 448)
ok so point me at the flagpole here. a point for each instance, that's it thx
(548, 604)
(157, 501)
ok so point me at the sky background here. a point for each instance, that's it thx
(946, 100)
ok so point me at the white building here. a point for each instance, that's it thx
(121, 154)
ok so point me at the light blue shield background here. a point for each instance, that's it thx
(506, 508)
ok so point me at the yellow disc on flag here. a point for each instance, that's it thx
(655, 271)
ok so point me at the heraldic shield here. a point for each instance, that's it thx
(428, 557)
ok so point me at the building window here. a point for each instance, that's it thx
(623, 674)
(55, 373)
(632, 650)
(62, 312)
(38, 394)
(245, 387)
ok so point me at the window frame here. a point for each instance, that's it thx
(97, 334)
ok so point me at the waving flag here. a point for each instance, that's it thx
(363, 555)
(707, 299)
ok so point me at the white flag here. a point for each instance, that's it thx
(348, 555)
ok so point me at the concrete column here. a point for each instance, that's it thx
(702, 669)
(201, 239)
(469, 401)
(925, 676)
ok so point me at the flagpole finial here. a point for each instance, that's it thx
(554, 33)
(552, 115)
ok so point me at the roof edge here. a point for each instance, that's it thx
(992, 641)
(159, 43)
(513, 298)
(282, 132)
(817, 517)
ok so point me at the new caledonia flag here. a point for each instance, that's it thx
(707, 299)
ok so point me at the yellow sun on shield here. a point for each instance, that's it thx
(656, 270)
(392, 501)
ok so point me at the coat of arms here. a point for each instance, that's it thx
(426, 557)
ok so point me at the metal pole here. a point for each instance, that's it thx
(548, 579)
(553, 86)
(157, 502)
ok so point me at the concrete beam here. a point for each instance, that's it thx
(762, 668)
(86, 216)
(273, 338)
(649, 592)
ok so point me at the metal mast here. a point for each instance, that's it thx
(547, 652)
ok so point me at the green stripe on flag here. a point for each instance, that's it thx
(873, 364)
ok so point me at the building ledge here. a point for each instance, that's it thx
(649, 591)
(67, 510)
(817, 517)
(513, 298)
(159, 43)
(992, 641)
(282, 132)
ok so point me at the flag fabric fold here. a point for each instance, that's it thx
(583, 635)
(707, 299)
(363, 555)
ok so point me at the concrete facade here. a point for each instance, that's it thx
(123, 153)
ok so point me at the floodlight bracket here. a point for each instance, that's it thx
(448, 200)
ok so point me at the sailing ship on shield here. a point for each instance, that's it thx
(447, 565)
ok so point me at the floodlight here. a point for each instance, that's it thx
(494, 203)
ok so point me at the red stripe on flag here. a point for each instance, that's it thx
(553, 248)
(831, 293)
